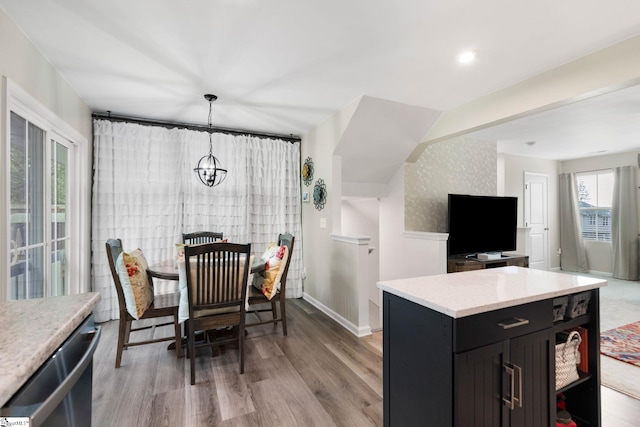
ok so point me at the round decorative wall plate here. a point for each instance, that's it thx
(319, 194)
(307, 171)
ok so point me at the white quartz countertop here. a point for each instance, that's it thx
(473, 292)
(31, 330)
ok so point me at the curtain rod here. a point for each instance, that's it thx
(171, 125)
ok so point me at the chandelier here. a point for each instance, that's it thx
(209, 169)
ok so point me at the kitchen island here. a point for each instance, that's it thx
(32, 330)
(478, 348)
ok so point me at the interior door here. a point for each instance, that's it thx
(536, 217)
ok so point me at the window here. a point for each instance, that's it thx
(43, 212)
(595, 195)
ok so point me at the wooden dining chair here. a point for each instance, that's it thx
(201, 237)
(257, 300)
(162, 306)
(217, 276)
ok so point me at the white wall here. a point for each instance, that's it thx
(21, 62)
(600, 254)
(361, 217)
(320, 251)
(512, 182)
(407, 254)
(335, 258)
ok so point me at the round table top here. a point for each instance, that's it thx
(168, 270)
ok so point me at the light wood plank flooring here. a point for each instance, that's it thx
(319, 375)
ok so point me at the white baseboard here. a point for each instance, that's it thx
(597, 273)
(359, 332)
(600, 273)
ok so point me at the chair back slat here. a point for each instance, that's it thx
(217, 275)
(201, 237)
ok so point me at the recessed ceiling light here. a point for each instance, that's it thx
(466, 57)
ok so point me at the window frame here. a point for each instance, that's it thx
(597, 221)
(18, 101)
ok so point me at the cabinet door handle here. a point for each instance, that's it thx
(513, 371)
(510, 402)
(513, 323)
(519, 398)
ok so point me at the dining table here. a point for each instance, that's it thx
(175, 270)
(168, 270)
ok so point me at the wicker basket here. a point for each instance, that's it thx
(567, 359)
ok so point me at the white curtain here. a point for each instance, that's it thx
(146, 193)
(573, 256)
(624, 224)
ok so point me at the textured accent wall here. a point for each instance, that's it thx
(462, 165)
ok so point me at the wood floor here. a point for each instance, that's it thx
(319, 375)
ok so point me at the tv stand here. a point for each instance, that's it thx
(457, 263)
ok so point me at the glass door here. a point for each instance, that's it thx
(59, 213)
(38, 238)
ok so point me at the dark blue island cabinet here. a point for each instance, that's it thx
(491, 369)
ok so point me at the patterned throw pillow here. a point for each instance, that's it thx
(132, 270)
(275, 258)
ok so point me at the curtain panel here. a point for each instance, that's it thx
(624, 224)
(573, 256)
(146, 193)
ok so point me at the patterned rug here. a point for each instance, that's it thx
(622, 343)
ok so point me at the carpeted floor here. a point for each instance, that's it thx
(619, 305)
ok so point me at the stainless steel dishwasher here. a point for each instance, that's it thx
(59, 394)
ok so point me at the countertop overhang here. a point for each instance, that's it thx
(31, 330)
(474, 292)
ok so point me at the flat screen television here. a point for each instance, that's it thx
(480, 224)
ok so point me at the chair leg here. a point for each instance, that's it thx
(123, 330)
(241, 347)
(127, 334)
(283, 315)
(192, 353)
(178, 331)
(274, 312)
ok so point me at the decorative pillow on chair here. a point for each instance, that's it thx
(275, 258)
(132, 270)
(180, 251)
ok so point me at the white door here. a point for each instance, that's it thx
(536, 218)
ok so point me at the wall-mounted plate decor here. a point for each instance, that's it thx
(319, 194)
(307, 171)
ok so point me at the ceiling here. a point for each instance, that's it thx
(605, 124)
(284, 66)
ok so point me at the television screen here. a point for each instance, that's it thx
(480, 224)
